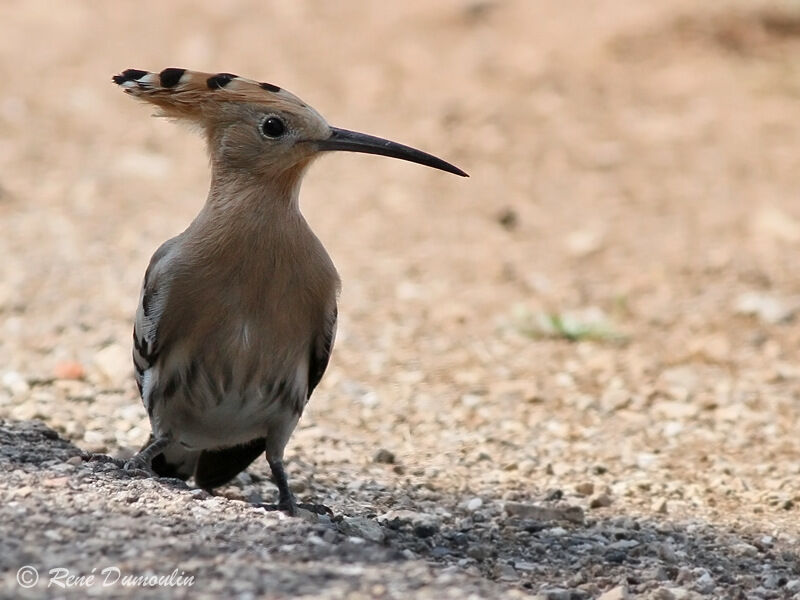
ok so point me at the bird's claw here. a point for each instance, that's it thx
(138, 468)
(319, 509)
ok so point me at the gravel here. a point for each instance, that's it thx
(574, 373)
(82, 511)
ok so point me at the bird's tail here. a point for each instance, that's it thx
(218, 467)
(210, 468)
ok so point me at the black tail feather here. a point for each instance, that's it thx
(218, 467)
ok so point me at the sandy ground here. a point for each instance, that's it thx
(581, 363)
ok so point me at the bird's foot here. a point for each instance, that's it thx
(136, 466)
(319, 509)
(141, 463)
(288, 509)
(295, 509)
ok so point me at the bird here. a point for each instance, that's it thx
(237, 314)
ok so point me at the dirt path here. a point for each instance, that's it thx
(575, 371)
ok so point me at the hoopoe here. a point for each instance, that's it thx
(237, 315)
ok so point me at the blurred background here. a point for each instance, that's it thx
(609, 300)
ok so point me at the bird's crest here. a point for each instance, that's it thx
(190, 94)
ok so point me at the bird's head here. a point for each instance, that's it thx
(254, 127)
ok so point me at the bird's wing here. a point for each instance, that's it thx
(321, 350)
(152, 300)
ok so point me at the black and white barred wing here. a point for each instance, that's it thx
(152, 300)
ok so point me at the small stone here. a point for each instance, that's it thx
(478, 552)
(773, 223)
(508, 219)
(330, 536)
(315, 540)
(666, 552)
(114, 363)
(523, 565)
(618, 593)
(69, 370)
(363, 528)
(600, 501)
(424, 530)
(705, 583)
(573, 514)
(74, 461)
(745, 549)
(384, 456)
(663, 594)
(356, 541)
(506, 572)
(583, 242)
(793, 585)
(94, 438)
(420, 522)
(768, 308)
(474, 504)
(556, 594)
(298, 486)
(623, 545)
(54, 482)
(14, 383)
(585, 489)
(307, 516)
(660, 506)
(23, 492)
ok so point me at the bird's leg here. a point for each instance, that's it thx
(142, 460)
(286, 500)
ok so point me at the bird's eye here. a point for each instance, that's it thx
(273, 127)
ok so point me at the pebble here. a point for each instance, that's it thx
(585, 489)
(14, 383)
(420, 522)
(69, 370)
(681, 593)
(600, 501)
(523, 565)
(745, 549)
(362, 527)
(554, 594)
(660, 506)
(506, 572)
(114, 363)
(474, 504)
(768, 308)
(384, 456)
(330, 536)
(573, 514)
(704, 583)
(618, 593)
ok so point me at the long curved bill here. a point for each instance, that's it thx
(352, 141)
